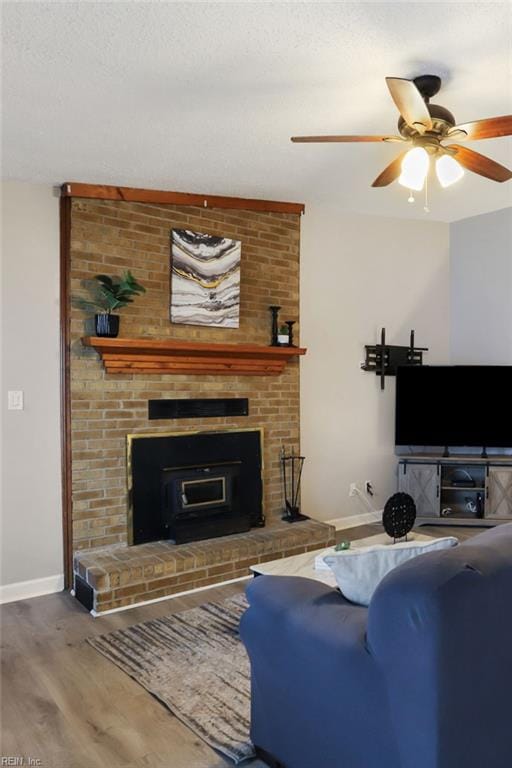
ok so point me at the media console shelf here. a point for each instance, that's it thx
(458, 490)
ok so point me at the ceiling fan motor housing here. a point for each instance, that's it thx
(441, 114)
(427, 85)
(442, 118)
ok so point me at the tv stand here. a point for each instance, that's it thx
(458, 490)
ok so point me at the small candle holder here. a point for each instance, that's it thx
(290, 324)
(274, 310)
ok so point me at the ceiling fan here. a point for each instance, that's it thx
(424, 128)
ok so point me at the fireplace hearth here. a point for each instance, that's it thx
(194, 486)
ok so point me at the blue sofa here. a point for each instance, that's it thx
(422, 678)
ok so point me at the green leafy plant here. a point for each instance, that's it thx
(111, 293)
(284, 330)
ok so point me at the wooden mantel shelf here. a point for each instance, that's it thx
(190, 357)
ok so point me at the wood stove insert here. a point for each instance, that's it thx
(192, 486)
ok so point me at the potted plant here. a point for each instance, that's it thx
(109, 294)
(283, 335)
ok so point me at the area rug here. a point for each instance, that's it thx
(195, 663)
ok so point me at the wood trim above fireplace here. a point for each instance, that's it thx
(134, 195)
(65, 400)
(186, 357)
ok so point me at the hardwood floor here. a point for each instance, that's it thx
(66, 705)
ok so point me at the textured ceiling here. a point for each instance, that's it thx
(204, 97)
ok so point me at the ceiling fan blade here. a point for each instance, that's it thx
(344, 138)
(410, 103)
(390, 172)
(490, 128)
(481, 164)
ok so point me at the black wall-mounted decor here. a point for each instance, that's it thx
(384, 358)
(194, 408)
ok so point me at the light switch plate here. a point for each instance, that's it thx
(15, 400)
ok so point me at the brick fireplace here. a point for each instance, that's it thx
(109, 236)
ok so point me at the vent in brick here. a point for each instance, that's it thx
(198, 408)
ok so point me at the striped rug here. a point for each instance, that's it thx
(195, 663)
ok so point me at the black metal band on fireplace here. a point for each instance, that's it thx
(193, 408)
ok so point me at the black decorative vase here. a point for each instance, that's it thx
(107, 325)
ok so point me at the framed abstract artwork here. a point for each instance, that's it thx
(205, 279)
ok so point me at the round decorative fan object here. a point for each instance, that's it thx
(399, 515)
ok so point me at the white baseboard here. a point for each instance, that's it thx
(22, 590)
(352, 521)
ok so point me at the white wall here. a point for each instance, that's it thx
(31, 537)
(359, 273)
(481, 289)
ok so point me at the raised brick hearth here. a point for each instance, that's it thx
(120, 576)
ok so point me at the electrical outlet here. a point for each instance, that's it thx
(369, 488)
(15, 400)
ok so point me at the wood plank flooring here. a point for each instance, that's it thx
(66, 705)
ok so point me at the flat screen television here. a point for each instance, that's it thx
(459, 405)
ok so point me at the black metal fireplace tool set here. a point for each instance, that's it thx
(291, 470)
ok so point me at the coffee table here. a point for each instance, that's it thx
(304, 565)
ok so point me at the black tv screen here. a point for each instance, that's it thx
(459, 405)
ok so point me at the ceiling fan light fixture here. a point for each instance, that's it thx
(422, 128)
(414, 169)
(448, 170)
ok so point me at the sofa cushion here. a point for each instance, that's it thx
(358, 572)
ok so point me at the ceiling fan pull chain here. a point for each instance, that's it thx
(410, 199)
(425, 207)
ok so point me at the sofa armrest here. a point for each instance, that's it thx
(312, 674)
(286, 593)
(300, 611)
